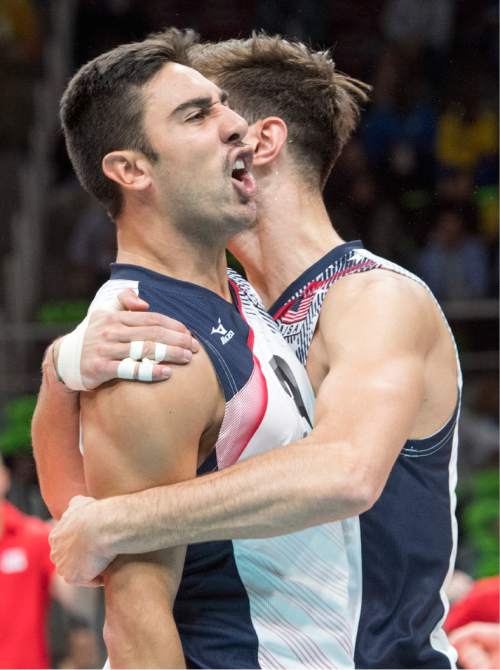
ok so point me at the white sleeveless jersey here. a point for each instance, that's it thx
(304, 588)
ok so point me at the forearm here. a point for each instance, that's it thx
(286, 490)
(139, 630)
(55, 437)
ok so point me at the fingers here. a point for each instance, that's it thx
(472, 655)
(138, 371)
(154, 351)
(94, 583)
(128, 299)
(153, 334)
(126, 327)
(108, 342)
(482, 632)
(105, 365)
(149, 319)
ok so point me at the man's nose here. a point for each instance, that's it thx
(234, 127)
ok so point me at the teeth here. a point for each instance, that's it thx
(239, 165)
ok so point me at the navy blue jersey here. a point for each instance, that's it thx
(273, 602)
(408, 538)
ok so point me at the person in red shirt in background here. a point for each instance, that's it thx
(27, 583)
(473, 624)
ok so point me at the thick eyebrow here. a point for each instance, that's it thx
(203, 102)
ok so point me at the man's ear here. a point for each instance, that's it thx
(129, 169)
(267, 137)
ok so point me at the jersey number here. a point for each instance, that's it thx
(287, 380)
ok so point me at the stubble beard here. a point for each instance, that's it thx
(208, 228)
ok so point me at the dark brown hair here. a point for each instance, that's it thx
(102, 107)
(269, 76)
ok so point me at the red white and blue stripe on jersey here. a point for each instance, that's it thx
(297, 310)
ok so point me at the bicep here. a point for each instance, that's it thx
(376, 346)
(136, 438)
(372, 407)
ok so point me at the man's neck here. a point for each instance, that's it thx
(153, 243)
(293, 232)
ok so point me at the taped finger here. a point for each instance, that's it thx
(126, 369)
(160, 352)
(136, 350)
(145, 370)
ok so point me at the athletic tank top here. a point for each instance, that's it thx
(275, 602)
(409, 537)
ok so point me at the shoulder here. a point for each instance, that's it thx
(191, 397)
(376, 305)
(379, 290)
(140, 435)
(380, 283)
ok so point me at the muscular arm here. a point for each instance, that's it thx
(376, 341)
(55, 436)
(138, 436)
(55, 428)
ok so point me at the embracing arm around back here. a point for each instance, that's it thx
(55, 436)
(377, 335)
(137, 436)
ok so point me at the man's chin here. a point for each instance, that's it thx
(248, 218)
(237, 224)
(251, 206)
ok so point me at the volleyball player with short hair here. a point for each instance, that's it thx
(380, 357)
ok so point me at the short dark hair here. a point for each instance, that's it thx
(102, 107)
(270, 76)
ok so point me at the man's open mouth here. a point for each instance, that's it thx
(241, 176)
(239, 169)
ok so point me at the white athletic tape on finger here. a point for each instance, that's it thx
(145, 373)
(136, 348)
(160, 352)
(126, 369)
(70, 353)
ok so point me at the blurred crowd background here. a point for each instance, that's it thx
(418, 183)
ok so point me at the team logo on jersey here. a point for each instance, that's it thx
(220, 330)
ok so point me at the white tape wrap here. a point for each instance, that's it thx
(145, 373)
(70, 348)
(70, 352)
(136, 348)
(160, 352)
(126, 369)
